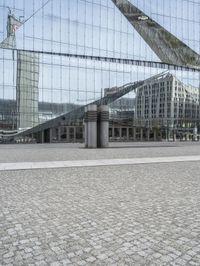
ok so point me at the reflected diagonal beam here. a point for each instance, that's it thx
(165, 45)
(78, 114)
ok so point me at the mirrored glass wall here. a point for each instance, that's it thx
(58, 55)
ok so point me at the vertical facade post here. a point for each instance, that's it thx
(195, 133)
(86, 127)
(127, 133)
(154, 134)
(42, 136)
(166, 135)
(174, 135)
(141, 134)
(50, 135)
(113, 133)
(134, 133)
(120, 133)
(59, 134)
(74, 134)
(67, 134)
(148, 133)
(186, 136)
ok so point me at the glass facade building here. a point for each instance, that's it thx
(64, 54)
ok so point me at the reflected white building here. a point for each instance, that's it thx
(167, 102)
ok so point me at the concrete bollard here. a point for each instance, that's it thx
(92, 126)
(103, 126)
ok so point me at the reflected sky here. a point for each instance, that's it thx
(92, 27)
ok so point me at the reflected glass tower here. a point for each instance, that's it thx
(27, 77)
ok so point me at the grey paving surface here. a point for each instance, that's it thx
(94, 163)
(126, 215)
(62, 152)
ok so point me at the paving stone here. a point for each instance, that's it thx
(121, 215)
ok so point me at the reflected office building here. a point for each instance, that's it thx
(167, 105)
(139, 57)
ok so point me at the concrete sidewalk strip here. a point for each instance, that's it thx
(90, 163)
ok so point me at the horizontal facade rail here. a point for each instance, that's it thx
(143, 63)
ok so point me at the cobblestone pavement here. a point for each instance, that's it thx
(127, 215)
(62, 152)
